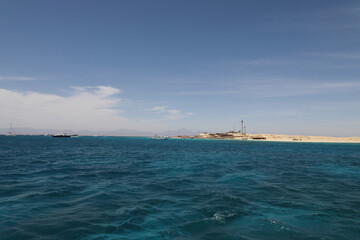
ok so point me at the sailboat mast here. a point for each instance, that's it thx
(11, 130)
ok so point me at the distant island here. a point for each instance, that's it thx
(232, 135)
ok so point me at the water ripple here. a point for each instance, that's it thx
(138, 188)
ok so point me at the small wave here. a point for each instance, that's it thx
(278, 226)
(220, 217)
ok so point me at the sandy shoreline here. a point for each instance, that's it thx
(273, 137)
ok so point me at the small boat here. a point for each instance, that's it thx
(157, 137)
(11, 131)
(61, 135)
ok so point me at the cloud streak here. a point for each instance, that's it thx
(336, 55)
(263, 62)
(280, 88)
(171, 114)
(17, 78)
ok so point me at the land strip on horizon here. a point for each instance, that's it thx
(272, 137)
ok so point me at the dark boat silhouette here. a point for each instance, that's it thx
(64, 135)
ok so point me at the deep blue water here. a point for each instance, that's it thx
(138, 188)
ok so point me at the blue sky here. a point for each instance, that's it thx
(283, 66)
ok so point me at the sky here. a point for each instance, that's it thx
(287, 67)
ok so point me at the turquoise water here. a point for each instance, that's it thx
(138, 188)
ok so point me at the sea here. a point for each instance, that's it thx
(139, 188)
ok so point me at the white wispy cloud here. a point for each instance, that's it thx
(17, 78)
(94, 108)
(171, 114)
(340, 17)
(282, 87)
(98, 108)
(210, 92)
(336, 55)
(351, 11)
(340, 85)
(263, 62)
(352, 105)
(354, 11)
(98, 90)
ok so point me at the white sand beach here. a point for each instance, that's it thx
(274, 137)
